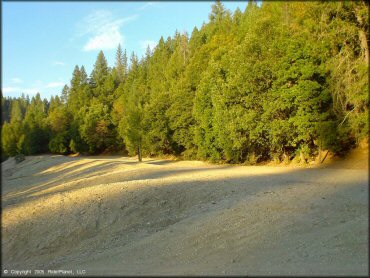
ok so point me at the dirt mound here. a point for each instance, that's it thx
(356, 159)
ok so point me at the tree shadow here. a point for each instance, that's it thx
(87, 172)
(177, 200)
(160, 162)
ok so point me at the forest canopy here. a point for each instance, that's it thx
(284, 80)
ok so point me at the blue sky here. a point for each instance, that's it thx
(42, 42)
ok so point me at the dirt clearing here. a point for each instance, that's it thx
(114, 216)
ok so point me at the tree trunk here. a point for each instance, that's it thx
(303, 159)
(325, 156)
(139, 153)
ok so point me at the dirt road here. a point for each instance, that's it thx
(112, 215)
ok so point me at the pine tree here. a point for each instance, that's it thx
(65, 94)
(280, 81)
(121, 64)
(218, 12)
(100, 71)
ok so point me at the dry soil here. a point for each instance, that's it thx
(115, 216)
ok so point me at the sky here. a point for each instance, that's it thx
(42, 42)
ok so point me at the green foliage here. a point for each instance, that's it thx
(121, 64)
(59, 144)
(130, 127)
(100, 71)
(8, 139)
(59, 119)
(21, 144)
(96, 128)
(35, 127)
(36, 141)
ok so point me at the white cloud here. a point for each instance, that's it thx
(10, 89)
(144, 44)
(108, 40)
(103, 30)
(17, 80)
(146, 5)
(54, 84)
(29, 91)
(59, 63)
(32, 90)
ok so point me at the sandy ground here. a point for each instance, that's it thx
(114, 216)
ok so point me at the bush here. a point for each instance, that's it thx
(59, 144)
(19, 158)
(253, 158)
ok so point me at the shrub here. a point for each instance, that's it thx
(19, 158)
(59, 144)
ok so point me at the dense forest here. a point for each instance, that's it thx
(282, 81)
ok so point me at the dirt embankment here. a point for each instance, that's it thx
(112, 215)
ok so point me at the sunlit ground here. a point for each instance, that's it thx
(115, 215)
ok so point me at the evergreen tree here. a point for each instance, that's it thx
(65, 94)
(280, 81)
(100, 71)
(121, 64)
(35, 127)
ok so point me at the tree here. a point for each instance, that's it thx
(131, 127)
(218, 12)
(35, 127)
(59, 120)
(279, 81)
(121, 64)
(96, 127)
(8, 139)
(79, 92)
(100, 71)
(65, 94)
